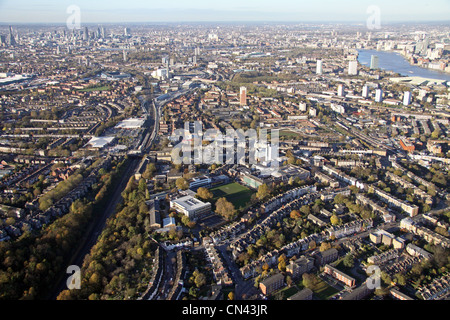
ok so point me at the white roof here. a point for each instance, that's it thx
(131, 123)
(100, 142)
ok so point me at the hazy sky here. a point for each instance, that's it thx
(104, 11)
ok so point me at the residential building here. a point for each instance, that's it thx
(341, 276)
(300, 266)
(272, 284)
(305, 294)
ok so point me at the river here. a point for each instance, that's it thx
(395, 62)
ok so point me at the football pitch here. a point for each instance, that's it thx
(235, 193)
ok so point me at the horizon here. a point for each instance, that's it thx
(202, 11)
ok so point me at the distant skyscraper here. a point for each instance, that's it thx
(341, 91)
(353, 68)
(125, 56)
(86, 34)
(407, 98)
(243, 96)
(378, 95)
(374, 62)
(126, 32)
(10, 40)
(319, 68)
(365, 92)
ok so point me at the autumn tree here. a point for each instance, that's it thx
(204, 194)
(225, 208)
(263, 192)
(182, 184)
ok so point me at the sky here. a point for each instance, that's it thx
(113, 11)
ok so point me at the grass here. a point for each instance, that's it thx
(289, 134)
(321, 289)
(235, 193)
(102, 88)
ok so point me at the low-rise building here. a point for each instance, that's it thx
(341, 276)
(191, 207)
(272, 284)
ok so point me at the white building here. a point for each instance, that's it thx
(365, 92)
(374, 62)
(341, 91)
(319, 68)
(378, 95)
(191, 207)
(353, 68)
(407, 98)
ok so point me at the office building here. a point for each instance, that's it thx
(319, 68)
(379, 95)
(365, 92)
(407, 98)
(243, 96)
(191, 207)
(341, 91)
(353, 68)
(374, 62)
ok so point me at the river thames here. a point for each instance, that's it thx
(395, 62)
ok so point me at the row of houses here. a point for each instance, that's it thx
(356, 226)
(425, 233)
(436, 290)
(155, 281)
(288, 196)
(406, 184)
(60, 208)
(387, 217)
(228, 231)
(296, 269)
(257, 231)
(221, 275)
(341, 176)
(392, 201)
(177, 289)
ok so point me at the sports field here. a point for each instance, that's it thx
(235, 193)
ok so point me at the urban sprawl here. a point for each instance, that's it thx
(350, 202)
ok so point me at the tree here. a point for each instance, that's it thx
(335, 220)
(282, 263)
(182, 184)
(149, 171)
(199, 278)
(225, 208)
(263, 192)
(349, 261)
(324, 246)
(295, 215)
(204, 194)
(309, 280)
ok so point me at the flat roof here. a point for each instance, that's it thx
(189, 203)
(100, 142)
(133, 123)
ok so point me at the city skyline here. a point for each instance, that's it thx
(50, 11)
